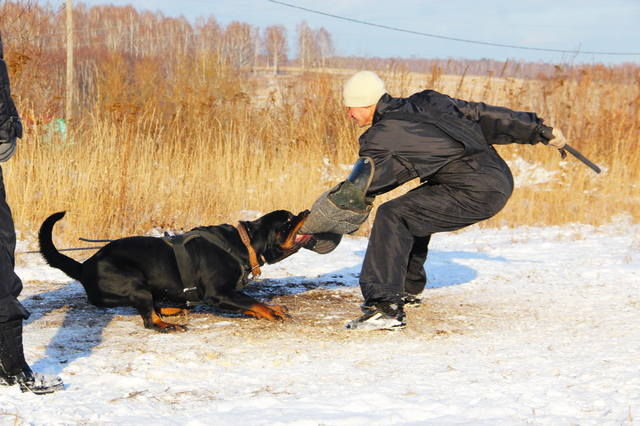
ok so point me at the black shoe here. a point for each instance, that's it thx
(379, 316)
(32, 382)
(411, 300)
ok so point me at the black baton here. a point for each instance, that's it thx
(581, 157)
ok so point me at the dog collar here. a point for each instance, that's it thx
(253, 258)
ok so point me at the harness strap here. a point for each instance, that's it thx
(190, 289)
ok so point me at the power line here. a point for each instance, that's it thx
(462, 40)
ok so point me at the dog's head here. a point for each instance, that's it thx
(274, 236)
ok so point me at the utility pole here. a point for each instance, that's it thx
(69, 94)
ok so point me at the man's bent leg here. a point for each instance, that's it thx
(383, 273)
(419, 213)
(385, 263)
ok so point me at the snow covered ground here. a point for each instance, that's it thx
(519, 326)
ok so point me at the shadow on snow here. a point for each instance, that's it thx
(442, 268)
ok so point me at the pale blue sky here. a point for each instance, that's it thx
(586, 25)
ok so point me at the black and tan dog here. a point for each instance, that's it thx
(162, 276)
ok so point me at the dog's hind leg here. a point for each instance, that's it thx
(170, 311)
(142, 300)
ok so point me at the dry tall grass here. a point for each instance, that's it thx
(190, 139)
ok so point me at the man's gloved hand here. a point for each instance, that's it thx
(559, 141)
(555, 138)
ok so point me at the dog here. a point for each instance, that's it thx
(165, 276)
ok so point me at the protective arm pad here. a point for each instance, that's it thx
(342, 209)
(326, 216)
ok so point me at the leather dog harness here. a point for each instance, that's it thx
(185, 267)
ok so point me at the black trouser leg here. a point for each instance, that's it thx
(384, 268)
(11, 310)
(10, 285)
(416, 278)
(11, 350)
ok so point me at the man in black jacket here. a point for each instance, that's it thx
(13, 367)
(447, 144)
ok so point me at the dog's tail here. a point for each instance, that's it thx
(51, 254)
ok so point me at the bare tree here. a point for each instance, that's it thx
(276, 45)
(209, 34)
(21, 21)
(325, 45)
(307, 46)
(238, 44)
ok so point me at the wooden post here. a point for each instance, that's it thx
(69, 88)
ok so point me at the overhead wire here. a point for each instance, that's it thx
(442, 37)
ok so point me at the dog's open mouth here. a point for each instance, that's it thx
(295, 240)
(302, 239)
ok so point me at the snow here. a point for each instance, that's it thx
(525, 325)
(529, 174)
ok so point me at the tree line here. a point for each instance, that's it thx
(36, 29)
(32, 27)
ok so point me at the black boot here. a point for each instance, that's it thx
(411, 300)
(379, 316)
(13, 367)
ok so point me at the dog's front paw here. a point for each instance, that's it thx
(155, 322)
(280, 311)
(270, 312)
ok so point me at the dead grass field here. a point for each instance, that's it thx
(281, 142)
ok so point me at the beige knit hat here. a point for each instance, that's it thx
(363, 89)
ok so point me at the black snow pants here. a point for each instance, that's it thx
(463, 193)
(10, 285)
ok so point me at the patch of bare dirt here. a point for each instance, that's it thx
(316, 315)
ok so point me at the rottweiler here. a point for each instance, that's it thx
(165, 276)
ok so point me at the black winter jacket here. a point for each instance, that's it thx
(428, 133)
(10, 285)
(10, 126)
